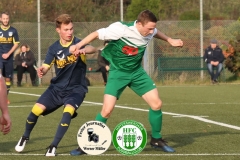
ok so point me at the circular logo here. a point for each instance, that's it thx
(129, 137)
(94, 137)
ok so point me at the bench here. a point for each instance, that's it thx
(182, 64)
(92, 67)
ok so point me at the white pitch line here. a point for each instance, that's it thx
(153, 155)
(168, 113)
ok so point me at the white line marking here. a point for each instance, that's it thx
(102, 155)
(168, 113)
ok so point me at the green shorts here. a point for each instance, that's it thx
(138, 81)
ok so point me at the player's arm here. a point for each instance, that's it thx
(161, 36)
(173, 42)
(5, 121)
(14, 47)
(6, 55)
(88, 49)
(41, 71)
(3, 97)
(74, 49)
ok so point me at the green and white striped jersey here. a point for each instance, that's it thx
(127, 45)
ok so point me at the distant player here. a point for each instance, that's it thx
(8, 43)
(67, 89)
(124, 52)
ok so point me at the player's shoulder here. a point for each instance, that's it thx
(120, 24)
(76, 40)
(54, 46)
(12, 28)
(129, 24)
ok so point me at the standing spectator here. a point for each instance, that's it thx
(103, 64)
(5, 121)
(25, 61)
(8, 43)
(214, 58)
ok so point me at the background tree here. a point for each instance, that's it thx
(233, 61)
(109, 10)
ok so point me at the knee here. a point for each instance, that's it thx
(106, 113)
(157, 105)
(69, 109)
(38, 109)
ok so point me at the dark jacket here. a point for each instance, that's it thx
(102, 62)
(213, 55)
(28, 58)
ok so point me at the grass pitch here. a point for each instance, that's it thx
(199, 122)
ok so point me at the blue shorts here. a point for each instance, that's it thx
(53, 99)
(7, 69)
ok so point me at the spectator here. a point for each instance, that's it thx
(214, 58)
(103, 64)
(25, 61)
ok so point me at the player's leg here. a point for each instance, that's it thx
(109, 102)
(143, 85)
(31, 121)
(71, 103)
(7, 73)
(47, 103)
(61, 130)
(155, 119)
(117, 82)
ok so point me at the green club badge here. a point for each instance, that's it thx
(129, 137)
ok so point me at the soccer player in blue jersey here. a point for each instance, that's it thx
(124, 52)
(9, 41)
(67, 89)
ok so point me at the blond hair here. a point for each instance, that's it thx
(18, 50)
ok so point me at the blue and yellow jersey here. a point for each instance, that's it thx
(8, 37)
(70, 70)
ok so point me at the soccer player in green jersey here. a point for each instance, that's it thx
(124, 52)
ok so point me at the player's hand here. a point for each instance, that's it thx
(5, 123)
(175, 42)
(5, 56)
(82, 51)
(40, 72)
(72, 49)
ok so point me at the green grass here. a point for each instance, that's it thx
(186, 109)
